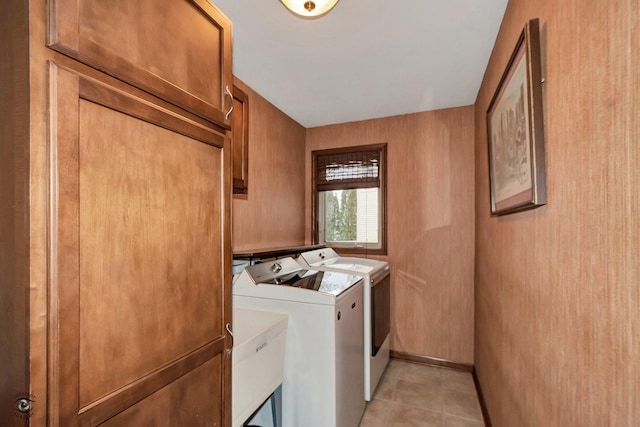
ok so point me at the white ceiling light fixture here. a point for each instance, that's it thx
(309, 9)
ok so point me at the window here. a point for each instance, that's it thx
(349, 198)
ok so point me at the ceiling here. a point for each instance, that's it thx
(366, 58)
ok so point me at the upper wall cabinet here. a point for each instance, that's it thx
(240, 132)
(160, 47)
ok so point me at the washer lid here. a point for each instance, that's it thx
(335, 283)
(328, 282)
(286, 276)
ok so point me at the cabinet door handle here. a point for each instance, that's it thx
(228, 92)
(229, 350)
(353, 305)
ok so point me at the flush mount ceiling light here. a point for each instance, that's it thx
(309, 9)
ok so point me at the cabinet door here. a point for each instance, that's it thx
(178, 50)
(139, 247)
(240, 135)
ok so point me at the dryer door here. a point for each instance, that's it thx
(380, 310)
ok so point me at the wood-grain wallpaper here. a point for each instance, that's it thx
(430, 224)
(272, 213)
(558, 288)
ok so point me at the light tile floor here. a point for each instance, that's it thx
(414, 395)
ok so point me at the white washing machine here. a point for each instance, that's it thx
(377, 306)
(323, 373)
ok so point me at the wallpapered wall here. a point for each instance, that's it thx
(272, 213)
(558, 288)
(430, 224)
(430, 218)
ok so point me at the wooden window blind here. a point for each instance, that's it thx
(348, 170)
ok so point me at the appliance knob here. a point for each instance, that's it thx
(276, 267)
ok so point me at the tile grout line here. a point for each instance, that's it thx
(400, 374)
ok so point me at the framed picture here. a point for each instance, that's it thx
(516, 132)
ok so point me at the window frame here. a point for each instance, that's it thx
(315, 198)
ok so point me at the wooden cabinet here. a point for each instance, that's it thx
(178, 50)
(138, 225)
(122, 175)
(240, 132)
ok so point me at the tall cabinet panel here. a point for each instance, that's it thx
(14, 221)
(115, 213)
(138, 254)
